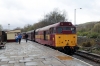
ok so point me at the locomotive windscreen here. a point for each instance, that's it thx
(60, 29)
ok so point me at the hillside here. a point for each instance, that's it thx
(88, 29)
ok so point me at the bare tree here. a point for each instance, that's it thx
(50, 18)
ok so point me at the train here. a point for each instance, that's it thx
(61, 35)
(3, 38)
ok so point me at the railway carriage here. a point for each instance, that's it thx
(3, 38)
(61, 35)
(29, 33)
(33, 35)
(23, 35)
(37, 36)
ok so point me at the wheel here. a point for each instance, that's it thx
(67, 50)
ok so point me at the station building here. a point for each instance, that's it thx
(11, 35)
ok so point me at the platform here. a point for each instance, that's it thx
(34, 54)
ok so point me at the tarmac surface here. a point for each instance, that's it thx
(34, 54)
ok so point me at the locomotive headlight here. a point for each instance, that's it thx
(73, 36)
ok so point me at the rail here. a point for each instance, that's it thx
(91, 56)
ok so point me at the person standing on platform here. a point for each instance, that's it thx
(26, 36)
(19, 38)
(16, 38)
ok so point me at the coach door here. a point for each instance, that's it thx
(44, 35)
(52, 36)
(34, 35)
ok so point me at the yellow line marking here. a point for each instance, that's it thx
(64, 57)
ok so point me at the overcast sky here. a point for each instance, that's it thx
(18, 13)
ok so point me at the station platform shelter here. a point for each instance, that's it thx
(11, 35)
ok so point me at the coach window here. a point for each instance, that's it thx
(47, 35)
(51, 30)
(48, 32)
(36, 33)
(54, 30)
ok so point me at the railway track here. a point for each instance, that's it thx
(90, 56)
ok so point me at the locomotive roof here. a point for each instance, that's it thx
(54, 25)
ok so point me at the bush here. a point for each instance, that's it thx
(82, 33)
(87, 44)
(93, 35)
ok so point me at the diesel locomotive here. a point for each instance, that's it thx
(61, 35)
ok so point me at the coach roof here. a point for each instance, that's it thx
(53, 25)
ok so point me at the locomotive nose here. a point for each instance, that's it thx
(67, 44)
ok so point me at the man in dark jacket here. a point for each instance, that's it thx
(19, 38)
(26, 36)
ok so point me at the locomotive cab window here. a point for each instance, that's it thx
(59, 29)
(66, 28)
(70, 29)
(73, 29)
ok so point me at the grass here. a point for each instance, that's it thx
(88, 49)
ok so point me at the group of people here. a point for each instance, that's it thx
(18, 37)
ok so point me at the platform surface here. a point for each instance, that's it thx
(34, 54)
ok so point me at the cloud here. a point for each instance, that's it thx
(18, 13)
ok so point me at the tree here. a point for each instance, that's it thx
(27, 28)
(50, 18)
(96, 28)
(56, 16)
(18, 28)
(93, 35)
(1, 28)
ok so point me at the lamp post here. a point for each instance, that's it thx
(75, 15)
(8, 26)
